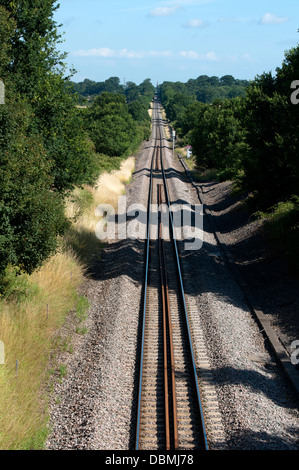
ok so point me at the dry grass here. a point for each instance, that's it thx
(81, 238)
(26, 329)
(150, 111)
(28, 323)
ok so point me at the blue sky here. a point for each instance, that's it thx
(176, 41)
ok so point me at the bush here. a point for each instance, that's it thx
(283, 223)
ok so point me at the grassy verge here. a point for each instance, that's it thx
(282, 222)
(34, 308)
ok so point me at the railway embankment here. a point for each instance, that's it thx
(259, 262)
(258, 256)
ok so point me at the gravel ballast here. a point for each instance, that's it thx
(93, 406)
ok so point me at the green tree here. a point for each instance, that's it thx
(31, 214)
(271, 165)
(7, 26)
(42, 144)
(33, 42)
(111, 126)
(38, 70)
(218, 137)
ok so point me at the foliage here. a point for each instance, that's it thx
(218, 138)
(282, 221)
(271, 167)
(33, 43)
(118, 122)
(89, 89)
(204, 89)
(44, 148)
(252, 138)
(7, 26)
(111, 126)
(31, 214)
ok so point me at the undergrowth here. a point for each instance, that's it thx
(282, 221)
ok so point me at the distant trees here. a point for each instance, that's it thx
(204, 89)
(90, 89)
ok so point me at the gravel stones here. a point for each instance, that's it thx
(93, 406)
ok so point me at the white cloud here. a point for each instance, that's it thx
(248, 58)
(269, 18)
(106, 52)
(164, 11)
(126, 54)
(189, 54)
(195, 23)
(102, 52)
(210, 56)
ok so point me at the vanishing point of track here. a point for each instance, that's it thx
(170, 413)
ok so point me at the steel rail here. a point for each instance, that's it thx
(164, 322)
(145, 292)
(182, 291)
(167, 324)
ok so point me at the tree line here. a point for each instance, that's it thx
(48, 145)
(88, 90)
(178, 95)
(252, 139)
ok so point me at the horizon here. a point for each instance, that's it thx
(137, 83)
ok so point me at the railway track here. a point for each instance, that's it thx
(170, 412)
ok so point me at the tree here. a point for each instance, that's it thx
(33, 42)
(38, 70)
(7, 26)
(138, 111)
(110, 125)
(271, 165)
(227, 80)
(218, 137)
(131, 92)
(43, 147)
